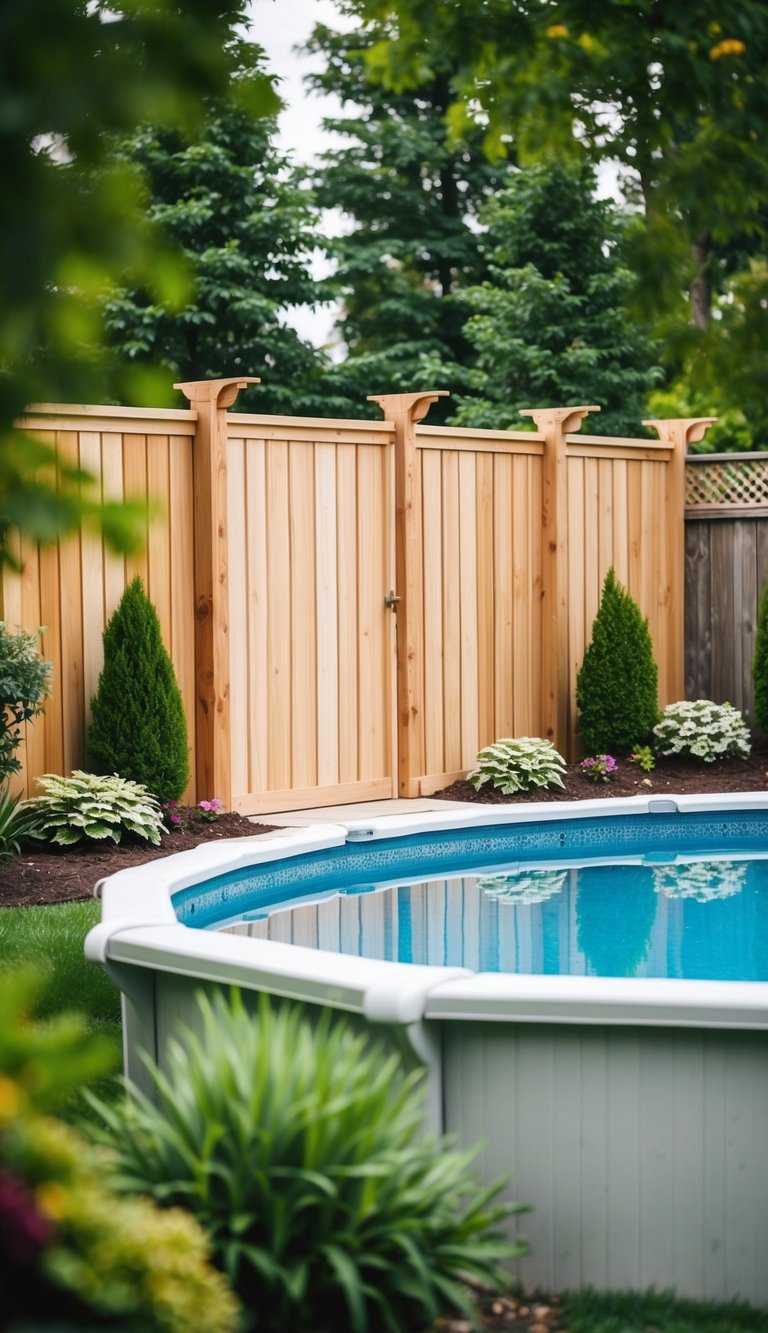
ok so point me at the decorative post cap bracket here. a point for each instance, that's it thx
(689, 430)
(414, 405)
(222, 393)
(566, 418)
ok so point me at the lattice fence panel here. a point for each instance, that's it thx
(728, 482)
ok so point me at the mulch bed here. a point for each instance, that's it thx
(42, 875)
(670, 775)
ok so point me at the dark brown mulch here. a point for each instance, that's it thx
(41, 876)
(682, 776)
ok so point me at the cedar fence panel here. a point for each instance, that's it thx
(73, 586)
(311, 640)
(271, 556)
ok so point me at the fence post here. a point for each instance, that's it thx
(677, 434)
(405, 410)
(210, 399)
(554, 423)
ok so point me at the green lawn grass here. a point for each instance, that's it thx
(651, 1312)
(52, 938)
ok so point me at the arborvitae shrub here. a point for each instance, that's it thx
(138, 728)
(617, 686)
(760, 664)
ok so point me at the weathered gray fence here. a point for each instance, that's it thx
(726, 569)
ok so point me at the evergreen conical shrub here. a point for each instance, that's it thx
(760, 664)
(617, 686)
(138, 727)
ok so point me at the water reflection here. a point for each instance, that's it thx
(705, 919)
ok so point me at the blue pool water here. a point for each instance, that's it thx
(646, 896)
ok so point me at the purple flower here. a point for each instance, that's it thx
(25, 1231)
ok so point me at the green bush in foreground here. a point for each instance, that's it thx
(73, 1254)
(93, 808)
(301, 1152)
(518, 765)
(25, 683)
(617, 685)
(138, 726)
(760, 664)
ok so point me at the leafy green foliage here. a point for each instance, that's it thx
(301, 1152)
(617, 685)
(643, 757)
(548, 326)
(15, 821)
(72, 1252)
(138, 728)
(677, 95)
(760, 663)
(72, 220)
(25, 683)
(701, 729)
(518, 765)
(86, 807)
(410, 241)
(238, 214)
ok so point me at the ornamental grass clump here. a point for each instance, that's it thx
(518, 765)
(701, 729)
(138, 726)
(91, 808)
(617, 686)
(301, 1151)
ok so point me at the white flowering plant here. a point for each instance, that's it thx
(522, 764)
(701, 729)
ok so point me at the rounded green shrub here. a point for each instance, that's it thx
(617, 686)
(138, 728)
(301, 1151)
(760, 664)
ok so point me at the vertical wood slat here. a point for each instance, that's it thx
(73, 586)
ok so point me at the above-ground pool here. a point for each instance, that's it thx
(653, 895)
(587, 986)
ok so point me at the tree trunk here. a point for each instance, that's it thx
(701, 287)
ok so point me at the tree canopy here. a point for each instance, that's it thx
(73, 75)
(675, 95)
(549, 326)
(238, 213)
(410, 198)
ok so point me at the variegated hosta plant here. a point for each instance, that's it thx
(87, 806)
(518, 765)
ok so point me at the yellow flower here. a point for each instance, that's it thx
(557, 30)
(730, 46)
(9, 1098)
(51, 1199)
(586, 42)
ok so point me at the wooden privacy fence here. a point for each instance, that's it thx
(726, 570)
(354, 608)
